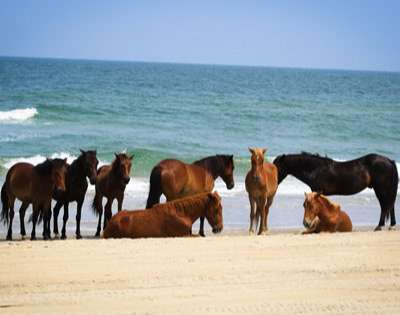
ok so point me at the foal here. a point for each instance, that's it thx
(110, 183)
(76, 186)
(261, 185)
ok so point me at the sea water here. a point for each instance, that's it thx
(54, 107)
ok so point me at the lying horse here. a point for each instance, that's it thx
(76, 186)
(110, 183)
(322, 215)
(261, 185)
(330, 177)
(36, 185)
(171, 219)
(176, 179)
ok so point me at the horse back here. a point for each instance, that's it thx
(19, 181)
(345, 224)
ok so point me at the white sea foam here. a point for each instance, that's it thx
(18, 114)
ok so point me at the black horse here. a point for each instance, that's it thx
(76, 186)
(330, 177)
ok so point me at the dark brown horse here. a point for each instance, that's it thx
(330, 177)
(171, 219)
(36, 185)
(176, 179)
(76, 186)
(110, 183)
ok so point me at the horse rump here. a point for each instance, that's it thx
(4, 200)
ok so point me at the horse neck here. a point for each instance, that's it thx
(302, 168)
(77, 170)
(193, 208)
(210, 165)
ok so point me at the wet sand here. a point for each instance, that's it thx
(232, 273)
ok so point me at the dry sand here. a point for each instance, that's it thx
(353, 273)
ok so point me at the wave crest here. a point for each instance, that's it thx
(18, 114)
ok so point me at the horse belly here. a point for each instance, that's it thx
(20, 186)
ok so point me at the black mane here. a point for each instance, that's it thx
(316, 155)
(45, 167)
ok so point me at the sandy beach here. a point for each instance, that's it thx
(283, 273)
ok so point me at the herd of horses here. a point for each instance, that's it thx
(188, 191)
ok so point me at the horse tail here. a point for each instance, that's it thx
(155, 187)
(40, 217)
(395, 181)
(96, 204)
(4, 200)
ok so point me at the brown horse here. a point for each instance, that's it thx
(261, 185)
(171, 219)
(76, 186)
(176, 179)
(36, 185)
(110, 183)
(322, 215)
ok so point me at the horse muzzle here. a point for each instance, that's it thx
(230, 185)
(58, 191)
(92, 180)
(217, 229)
(126, 180)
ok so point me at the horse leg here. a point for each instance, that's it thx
(78, 218)
(252, 216)
(22, 211)
(56, 212)
(35, 214)
(46, 221)
(201, 228)
(120, 200)
(392, 219)
(11, 218)
(65, 219)
(107, 212)
(261, 209)
(386, 207)
(99, 224)
(267, 206)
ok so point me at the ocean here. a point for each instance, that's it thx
(54, 107)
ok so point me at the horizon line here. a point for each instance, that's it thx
(202, 64)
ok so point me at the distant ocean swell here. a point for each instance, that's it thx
(17, 115)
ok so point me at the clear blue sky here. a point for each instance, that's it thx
(343, 34)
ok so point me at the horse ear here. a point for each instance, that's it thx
(83, 152)
(231, 157)
(116, 155)
(264, 150)
(131, 157)
(65, 161)
(251, 150)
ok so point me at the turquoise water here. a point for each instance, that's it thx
(158, 111)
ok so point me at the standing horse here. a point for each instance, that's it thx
(36, 185)
(330, 177)
(261, 185)
(176, 179)
(76, 186)
(110, 183)
(171, 219)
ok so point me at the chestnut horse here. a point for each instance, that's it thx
(261, 185)
(76, 186)
(176, 179)
(110, 183)
(322, 215)
(171, 219)
(36, 185)
(330, 177)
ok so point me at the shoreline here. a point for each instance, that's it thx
(357, 273)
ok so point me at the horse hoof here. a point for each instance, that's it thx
(33, 238)
(263, 233)
(78, 236)
(63, 237)
(392, 228)
(378, 228)
(97, 234)
(202, 234)
(56, 236)
(251, 232)
(9, 238)
(23, 237)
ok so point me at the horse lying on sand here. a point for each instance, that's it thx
(322, 215)
(176, 179)
(261, 185)
(171, 219)
(36, 185)
(331, 177)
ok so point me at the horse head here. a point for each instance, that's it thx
(90, 163)
(257, 162)
(59, 169)
(226, 170)
(122, 166)
(214, 212)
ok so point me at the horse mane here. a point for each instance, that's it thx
(316, 155)
(331, 206)
(184, 204)
(44, 168)
(203, 160)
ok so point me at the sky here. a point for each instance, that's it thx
(360, 35)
